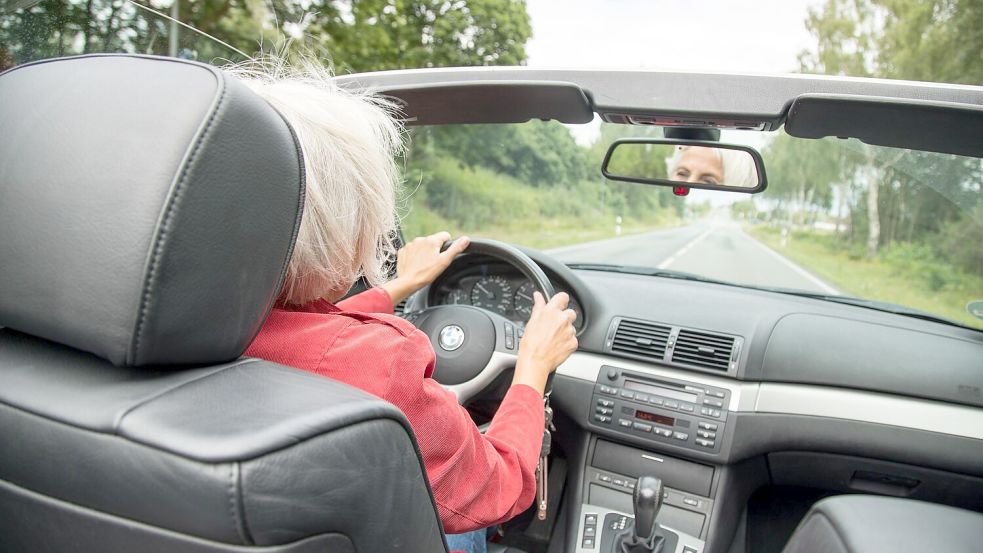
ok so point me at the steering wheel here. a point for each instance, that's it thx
(474, 346)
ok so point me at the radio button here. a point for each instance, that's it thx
(691, 502)
(688, 407)
(655, 400)
(602, 419)
(713, 402)
(672, 404)
(708, 425)
(706, 434)
(715, 393)
(661, 432)
(603, 478)
(624, 422)
(603, 411)
(704, 443)
(609, 390)
(641, 426)
(681, 436)
(627, 394)
(618, 482)
(601, 402)
(641, 397)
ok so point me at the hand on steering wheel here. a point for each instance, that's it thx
(474, 346)
(549, 339)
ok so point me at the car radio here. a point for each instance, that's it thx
(660, 409)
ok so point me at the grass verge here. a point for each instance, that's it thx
(896, 276)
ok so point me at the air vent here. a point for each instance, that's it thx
(641, 339)
(400, 308)
(703, 350)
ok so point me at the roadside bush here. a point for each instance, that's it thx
(920, 261)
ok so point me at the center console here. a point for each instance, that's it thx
(661, 412)
(660, 409)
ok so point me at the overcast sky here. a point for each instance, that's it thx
(760, 36)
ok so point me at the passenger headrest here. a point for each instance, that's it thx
(148, 207)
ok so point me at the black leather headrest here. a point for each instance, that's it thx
(148, 207)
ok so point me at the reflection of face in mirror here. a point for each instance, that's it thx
(702, 165)
(697, 165)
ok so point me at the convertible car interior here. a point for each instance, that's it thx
(142, 246)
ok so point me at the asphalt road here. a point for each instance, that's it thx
(714, 247)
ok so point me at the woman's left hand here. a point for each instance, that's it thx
(420, 262)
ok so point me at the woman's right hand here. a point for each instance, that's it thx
(549, 338)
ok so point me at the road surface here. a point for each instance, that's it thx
(716, 248)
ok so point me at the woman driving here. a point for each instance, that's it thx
(350, 143)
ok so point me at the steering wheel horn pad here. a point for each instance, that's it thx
(461, 361)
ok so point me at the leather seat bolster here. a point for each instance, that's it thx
(247, 453)
(871, 524)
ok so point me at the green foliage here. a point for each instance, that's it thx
(372, 35)
(541, 153)
(910, 274)
(445, 194)
(804, 171)
(919, 196)
(928, 40)
(961, 240)
(355, 35)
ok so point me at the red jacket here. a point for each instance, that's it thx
(478, 479)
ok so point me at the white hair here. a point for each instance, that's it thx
(350, 142)
(738, 166)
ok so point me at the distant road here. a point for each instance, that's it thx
(716, 248)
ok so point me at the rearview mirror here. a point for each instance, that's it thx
(686, 163)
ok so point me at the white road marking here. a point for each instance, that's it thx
(682, 251)
(790, 264)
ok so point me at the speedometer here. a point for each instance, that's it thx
(523, 300)
(493, 293)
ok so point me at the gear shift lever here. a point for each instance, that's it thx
(645, 535)
(648, 501)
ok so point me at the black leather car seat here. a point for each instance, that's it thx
(148, 208)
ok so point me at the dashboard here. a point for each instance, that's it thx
(723, 390)
(496, 287)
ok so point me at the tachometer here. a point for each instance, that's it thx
(493, 293)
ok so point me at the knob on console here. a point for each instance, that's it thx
(612, 374)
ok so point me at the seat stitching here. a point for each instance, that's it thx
(173, 200)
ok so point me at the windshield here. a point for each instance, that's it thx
(538, 184)
(838, 218)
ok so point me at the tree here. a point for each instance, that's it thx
(356, 35)
(902, 39)
(373, 35)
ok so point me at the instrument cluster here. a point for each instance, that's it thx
(497, 288)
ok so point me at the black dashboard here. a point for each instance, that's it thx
(721, 390)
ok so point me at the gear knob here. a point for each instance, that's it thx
(648, 501)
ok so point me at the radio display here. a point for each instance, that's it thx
(660, 391)
(658, 419)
